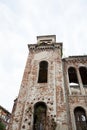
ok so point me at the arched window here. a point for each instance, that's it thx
(40, 109)
(73, 80)
(43, 72)
(80, 119)
(83, 73)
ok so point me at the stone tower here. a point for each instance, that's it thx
(41, 103)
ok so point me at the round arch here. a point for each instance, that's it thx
(80, 118)
(43, 72)
(40, 110)
(72, 75)
(83, 73)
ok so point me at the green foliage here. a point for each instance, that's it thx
(2, 126)
(39, 112)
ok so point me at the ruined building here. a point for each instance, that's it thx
(53, 92)
(4, 117)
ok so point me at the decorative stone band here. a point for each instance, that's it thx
(75, 59)
(44, 46)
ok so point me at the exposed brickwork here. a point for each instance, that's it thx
(75, 99)
(59, 98)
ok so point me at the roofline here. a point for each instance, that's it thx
(75, 56)
(4, 109)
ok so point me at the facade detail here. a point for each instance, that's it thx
(53, 92)
(4, 117)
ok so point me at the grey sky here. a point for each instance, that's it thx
(21, 21)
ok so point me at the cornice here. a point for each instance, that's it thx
(75, 59)
(44, 46)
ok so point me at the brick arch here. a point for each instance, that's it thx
(40, 103)
(80, 118)
(40, 112)
(72, 74)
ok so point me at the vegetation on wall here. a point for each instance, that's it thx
(40, 117)
(2, 126)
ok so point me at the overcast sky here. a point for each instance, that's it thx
(21, 21)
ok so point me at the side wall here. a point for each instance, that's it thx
(75, 98)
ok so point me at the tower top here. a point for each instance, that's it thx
(47, 39)
(46, 42)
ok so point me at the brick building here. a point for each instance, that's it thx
(4, 117)
(53, 92)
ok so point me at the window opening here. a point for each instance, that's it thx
(80, 119)
(83, 73)
(43, 72)
(73, 80)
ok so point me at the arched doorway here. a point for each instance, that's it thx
(39, 123)
(80, 118)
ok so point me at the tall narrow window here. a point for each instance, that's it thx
(80, 119)
(83, 73)
(43, 72)
(73, 80)
(39, 116)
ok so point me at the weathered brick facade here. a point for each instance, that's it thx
(55, 94)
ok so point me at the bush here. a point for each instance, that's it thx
(2, 126)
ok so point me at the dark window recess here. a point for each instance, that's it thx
(43, 72)
(72, 76)
(83, 73)
(80, 119)
(39, 116)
